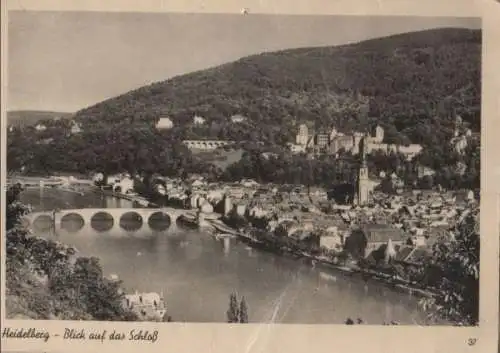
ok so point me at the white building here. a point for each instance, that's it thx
(333, 133)
(379, 134)
(160, 189)
(303, 135)
(97, 177)
(295, 148)
(459, 143)
(164, 123)
(206, 207)
(75, 127)
(237, 118)
(148, 306)
(198, 120)
(125, 185)
(331, 241)
(40, 127)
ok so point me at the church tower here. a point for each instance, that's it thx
(363, 181)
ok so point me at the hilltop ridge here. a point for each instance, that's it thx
(398, 81)
(31, 117)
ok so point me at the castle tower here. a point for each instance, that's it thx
(363, 181)
(333, 134)
(357, 137)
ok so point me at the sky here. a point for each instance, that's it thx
(66, 61)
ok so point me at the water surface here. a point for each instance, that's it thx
(197, 273)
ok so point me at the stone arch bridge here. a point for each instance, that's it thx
(107, 219)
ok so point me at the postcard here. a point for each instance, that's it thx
(250, 176)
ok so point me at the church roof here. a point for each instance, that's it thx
(381, 233)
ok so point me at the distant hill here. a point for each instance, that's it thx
(413, 84)
(31, 117)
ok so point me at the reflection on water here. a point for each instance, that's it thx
(197, 272)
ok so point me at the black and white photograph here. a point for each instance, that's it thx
(243, 168)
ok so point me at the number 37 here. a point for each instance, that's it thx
(472, 341)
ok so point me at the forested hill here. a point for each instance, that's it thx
(413, 84)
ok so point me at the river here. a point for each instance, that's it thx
(197, 273)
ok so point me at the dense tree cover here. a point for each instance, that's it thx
(411, 84)
(43, 281)
(285, 168)
(457, 266)
(132, 149)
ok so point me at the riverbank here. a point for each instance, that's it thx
(393, 282)
(318, 260)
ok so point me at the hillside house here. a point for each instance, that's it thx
(164, 123)
(75, 128)
(198, 120)
(40, 127)
(237, 118)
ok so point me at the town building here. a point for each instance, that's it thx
(373, 237)
(148, 306)
(296, 148)
(303, 135)
(40, 127)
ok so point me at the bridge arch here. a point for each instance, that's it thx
(159, 221)
(72, 222)
(102, 221)
(131, 221)
(43, 222)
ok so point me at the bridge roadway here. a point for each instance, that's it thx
(111, 219)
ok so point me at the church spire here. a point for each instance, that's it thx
(363, 187)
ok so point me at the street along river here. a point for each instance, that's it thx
(197, 272)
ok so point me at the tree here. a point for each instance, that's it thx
(457, 263)
(243, 311)
(233, 312)
(74, 291)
